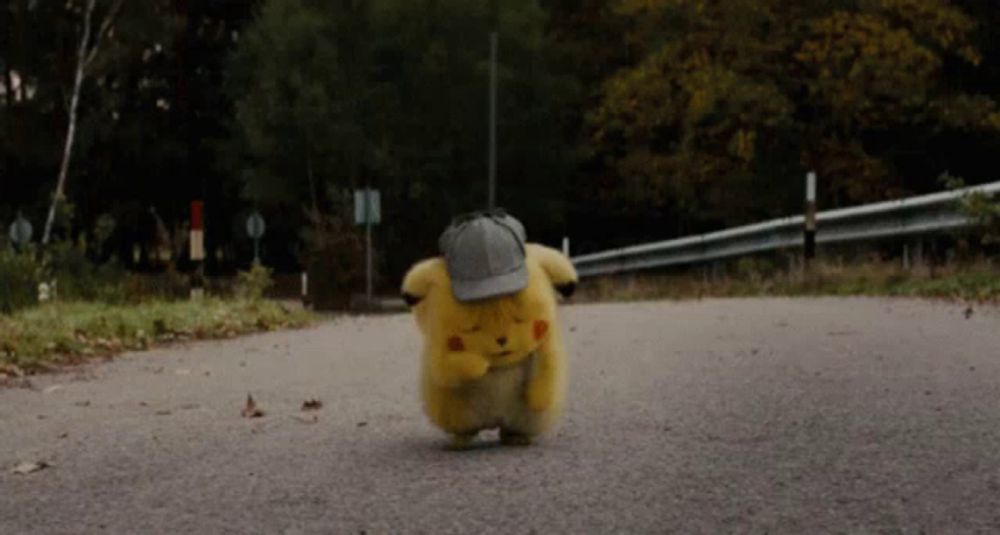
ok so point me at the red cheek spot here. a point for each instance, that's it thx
(455, 343)
(541, 327)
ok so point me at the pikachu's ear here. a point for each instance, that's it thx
(421, 277)
(559, 269)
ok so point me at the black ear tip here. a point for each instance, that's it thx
(566, 289)
(410, 299)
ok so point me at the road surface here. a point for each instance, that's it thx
(727, 416)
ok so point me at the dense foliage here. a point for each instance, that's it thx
(620, 120)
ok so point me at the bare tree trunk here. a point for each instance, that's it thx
(81, 60)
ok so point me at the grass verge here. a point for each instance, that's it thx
(973, 283)
(64, 333)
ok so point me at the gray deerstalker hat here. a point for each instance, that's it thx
(484, 254)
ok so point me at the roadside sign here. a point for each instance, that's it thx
(367, 207)
(256, 229)
(20, 231)
(368, 212)
(256, 226)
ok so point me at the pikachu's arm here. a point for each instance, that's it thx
(541, 392)
(450, 368)
(557, 266)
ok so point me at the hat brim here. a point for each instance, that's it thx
(496, 286)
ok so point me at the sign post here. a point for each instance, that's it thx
(256, 229)
(20, 231)
(368, 212)
(197, 249)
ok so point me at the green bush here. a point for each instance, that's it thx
(18, 281)
(78, 278)
(983, 209)
(335, 260)
(168, 286)
(252, 284)
(754, 270)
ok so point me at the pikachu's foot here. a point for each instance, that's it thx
(462, 441)
(512, 438)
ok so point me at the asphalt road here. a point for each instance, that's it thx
(745, 416)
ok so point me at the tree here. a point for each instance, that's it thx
(733, 101)
(334, 96)
(86, 53)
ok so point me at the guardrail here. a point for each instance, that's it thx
(918, 215)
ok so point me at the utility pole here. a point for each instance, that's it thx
(494, 44)
(368, 212)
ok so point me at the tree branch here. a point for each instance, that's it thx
(105, 28)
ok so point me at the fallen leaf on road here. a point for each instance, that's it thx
(362, 424)
(82, 403)
(64, 435)
(251, 410)
(306, 419)
(29, 467)
(51, 389)
(163, 413)
(11, 370)
(18, 382)
(312, 405)
(190, 406)
(968, 312)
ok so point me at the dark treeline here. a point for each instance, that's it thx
(620, 120)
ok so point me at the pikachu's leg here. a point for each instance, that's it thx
(510, 437)
(448, 409)
(462, 441)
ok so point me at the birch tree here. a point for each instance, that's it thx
(87, 51)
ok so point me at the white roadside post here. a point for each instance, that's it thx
(809, 247)
(565, 245)
(305, 289)
(197, 249)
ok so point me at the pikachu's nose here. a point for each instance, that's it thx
(502, 341)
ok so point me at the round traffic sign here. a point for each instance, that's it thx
(20, 231)
(255, 225)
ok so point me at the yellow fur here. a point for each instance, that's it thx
(518, 386)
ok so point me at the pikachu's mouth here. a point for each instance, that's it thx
(502, 354)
